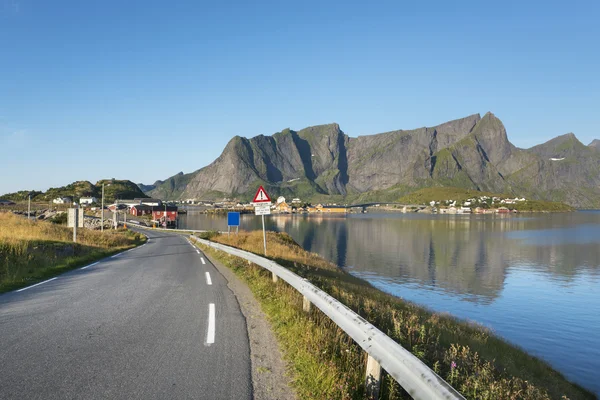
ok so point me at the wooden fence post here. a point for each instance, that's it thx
(373, 378)
(306, 305)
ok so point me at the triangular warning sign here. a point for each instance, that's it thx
(261, 196)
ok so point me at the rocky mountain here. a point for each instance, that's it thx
(170, 188)
(595, 144)
(148, 188)
(471, 152)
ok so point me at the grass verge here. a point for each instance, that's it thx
(326, 363)
(32, 251)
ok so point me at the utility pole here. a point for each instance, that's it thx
(166, 222)
(29, 208)
(102, 210)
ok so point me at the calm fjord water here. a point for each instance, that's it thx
(533, 279)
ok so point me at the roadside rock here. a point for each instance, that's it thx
(96, 223)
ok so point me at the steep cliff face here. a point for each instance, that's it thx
(564, 170)
(482, 160)
(314, 156)
(380, 161)
(471, 152)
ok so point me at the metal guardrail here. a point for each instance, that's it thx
(410, 372)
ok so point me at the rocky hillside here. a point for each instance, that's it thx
(470, 153)
(113, 189)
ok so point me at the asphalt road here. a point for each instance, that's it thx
(136, 326)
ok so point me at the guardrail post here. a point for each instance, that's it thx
(306, 304)
(410, 373)
(373, 379)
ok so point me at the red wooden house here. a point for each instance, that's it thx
(141, 209)
(158, 213)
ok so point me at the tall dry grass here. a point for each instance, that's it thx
(476, 362)
(279, 246)
(34, 250)
(15, 229)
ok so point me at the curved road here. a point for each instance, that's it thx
(156, 322)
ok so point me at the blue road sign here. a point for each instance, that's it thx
(233, 219)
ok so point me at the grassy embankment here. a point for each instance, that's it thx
(327, 364)
(424, 196)
(33, 251)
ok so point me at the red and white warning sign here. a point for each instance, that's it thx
(261, 196)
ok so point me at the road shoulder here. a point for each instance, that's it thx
(269, 378)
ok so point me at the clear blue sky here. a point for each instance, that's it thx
(141, 90)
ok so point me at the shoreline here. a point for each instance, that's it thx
(377, 306)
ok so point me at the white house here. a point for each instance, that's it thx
(296, 201)
(62, 200)
(87, 200)
(280, 199)
(150, 202)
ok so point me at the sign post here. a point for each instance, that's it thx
(75, 220)
(233, 219)
(262, 207)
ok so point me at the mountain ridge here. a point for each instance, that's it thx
(471, 152)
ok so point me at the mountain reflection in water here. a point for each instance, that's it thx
(533, 278)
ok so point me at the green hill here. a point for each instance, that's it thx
(113, 189)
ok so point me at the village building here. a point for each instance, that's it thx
(115, 207)
(140, 201)
(62, 200)
(159, 213)
(88, 200)
(331, 209)
(140, 209)
(149, 202)
(283, 207)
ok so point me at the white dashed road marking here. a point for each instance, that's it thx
(91, 265)
(208, 280)
(210, 334)
(37, 284)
